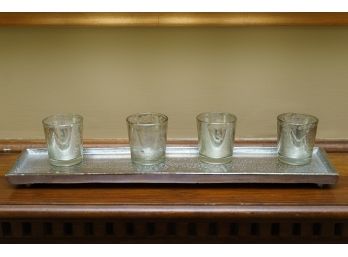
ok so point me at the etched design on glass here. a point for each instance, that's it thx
(216, 137)
(63, 134)
(217, 134)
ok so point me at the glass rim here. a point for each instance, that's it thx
(165, 119)
(78, 119)
(200, 116)
(314, 120)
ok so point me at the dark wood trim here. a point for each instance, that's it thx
(172, 19)
(17, 145)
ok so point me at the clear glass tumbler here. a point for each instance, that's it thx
(216, 136)
(147, 134)
(63, 134)
(296, 137)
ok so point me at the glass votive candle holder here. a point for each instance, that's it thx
(216, 137)
(296, 137)
(147, 134)
(63, 134)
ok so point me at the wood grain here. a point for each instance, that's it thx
(172, 19)
(252, 19)
(78, 19)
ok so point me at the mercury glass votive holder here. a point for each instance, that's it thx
(147, 134)
(63, 134)
(216, 136)
(296, 137)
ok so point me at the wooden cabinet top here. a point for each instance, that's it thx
(230, 200)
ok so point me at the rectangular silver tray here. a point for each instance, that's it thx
(113, 165)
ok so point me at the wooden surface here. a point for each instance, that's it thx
(173, 213)
(177, 201)
(171, 19)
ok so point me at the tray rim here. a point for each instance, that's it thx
(330, 178)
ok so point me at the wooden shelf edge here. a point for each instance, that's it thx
(172, 211)
(17, 145)
(172, 19)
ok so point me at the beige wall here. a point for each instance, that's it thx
(108, 73)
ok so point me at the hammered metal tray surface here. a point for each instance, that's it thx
(113, 165)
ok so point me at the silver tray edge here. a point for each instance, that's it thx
(329, 179)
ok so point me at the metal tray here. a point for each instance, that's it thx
(113, 165)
